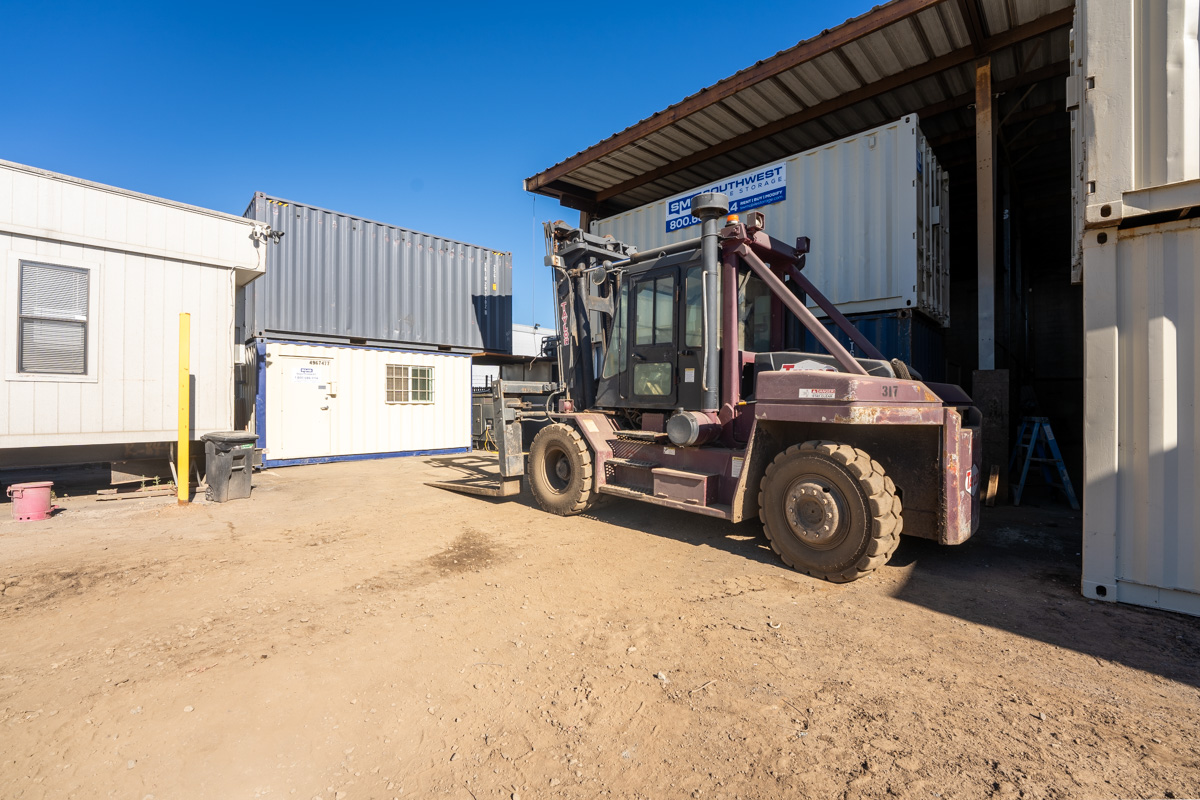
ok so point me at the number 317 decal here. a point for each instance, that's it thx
(891, 391)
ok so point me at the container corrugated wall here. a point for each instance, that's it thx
(344, 411)
(1142, 430)
(336, 277)
(1135, 91)
(1135, 96)
(876, 208)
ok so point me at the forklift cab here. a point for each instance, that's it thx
(657, 338)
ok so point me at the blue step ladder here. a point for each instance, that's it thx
(1037, 441)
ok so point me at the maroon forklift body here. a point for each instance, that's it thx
(677, 387)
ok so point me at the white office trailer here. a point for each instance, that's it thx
(875, 206)
(94, 281)
(1135, 100)
(326, 402)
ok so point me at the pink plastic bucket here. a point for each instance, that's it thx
(30, 500)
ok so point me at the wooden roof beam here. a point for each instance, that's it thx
(1057, 70)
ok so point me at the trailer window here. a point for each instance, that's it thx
(409, 384)
(52, 333)
(614, 360)
(655, 311)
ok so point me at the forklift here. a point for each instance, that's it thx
(675, 388)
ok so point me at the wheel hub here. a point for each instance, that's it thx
(557, 469)
(816, 511)
(563, 469)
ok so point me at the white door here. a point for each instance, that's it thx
(306, 402)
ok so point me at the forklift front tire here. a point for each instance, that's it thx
(829, 511)
(560, 470)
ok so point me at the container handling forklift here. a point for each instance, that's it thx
(675, 389)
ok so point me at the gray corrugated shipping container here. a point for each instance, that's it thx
(335, 277)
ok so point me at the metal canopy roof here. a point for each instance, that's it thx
(908, 56)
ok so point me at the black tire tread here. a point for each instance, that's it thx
(886, 509)
(586, 496)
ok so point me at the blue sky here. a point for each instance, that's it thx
(424, 115)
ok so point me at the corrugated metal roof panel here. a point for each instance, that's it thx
(911, 33)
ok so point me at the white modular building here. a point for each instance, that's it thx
(527, 340)
(318, 402)
(94, 281)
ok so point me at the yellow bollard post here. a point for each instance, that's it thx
(184, 471)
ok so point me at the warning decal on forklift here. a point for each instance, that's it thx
(689, 375)
(971, 482)
(735, 467)
(808, 364)
(818, 394)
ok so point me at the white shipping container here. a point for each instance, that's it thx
(875, 207)
(1134, 91)
(137, 263)
(328, 403)
(527, 339)
(1141, 297)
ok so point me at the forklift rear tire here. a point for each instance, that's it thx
(830, 511)
(560, 470)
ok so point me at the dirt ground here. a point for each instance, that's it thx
(351, 633)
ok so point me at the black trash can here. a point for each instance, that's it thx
(228, 464)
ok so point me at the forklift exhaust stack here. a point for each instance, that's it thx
(710, 207)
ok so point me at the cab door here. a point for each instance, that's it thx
(653, 351)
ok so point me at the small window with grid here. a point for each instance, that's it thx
(409, 384)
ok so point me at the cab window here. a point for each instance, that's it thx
(754, 314)
(655, 302)
(614, 360)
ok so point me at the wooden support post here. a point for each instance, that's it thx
(985, 180)
(183, 472)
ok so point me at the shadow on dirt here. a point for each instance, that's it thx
(1020, 573)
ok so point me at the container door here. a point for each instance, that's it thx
(306, 403)
(653, 351)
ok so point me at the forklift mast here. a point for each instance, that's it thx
(585, 286)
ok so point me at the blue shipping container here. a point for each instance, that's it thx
(908, 336)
